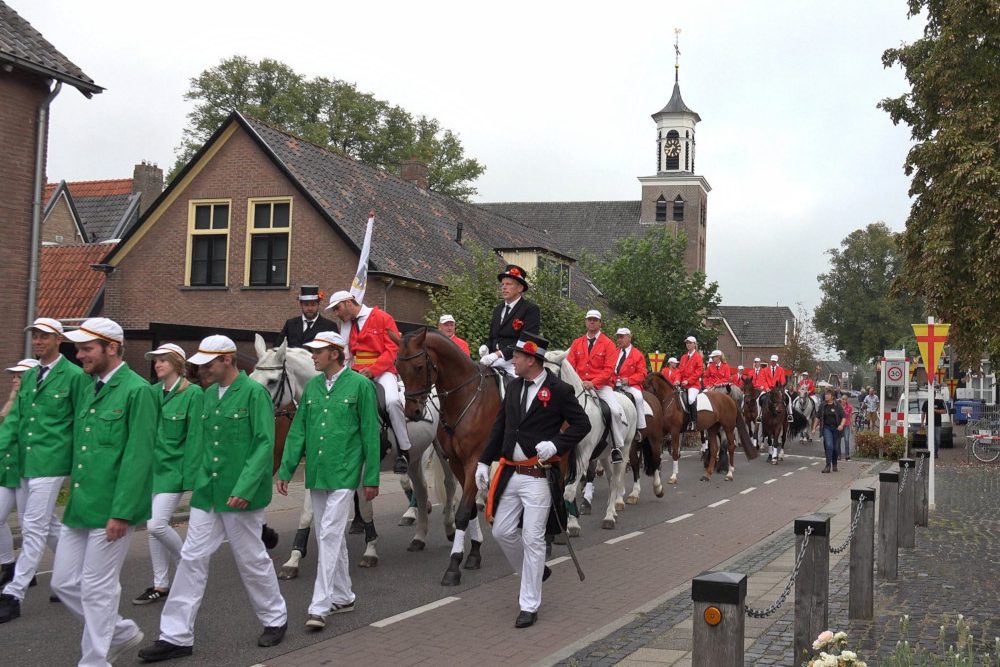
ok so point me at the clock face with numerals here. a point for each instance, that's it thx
(672, 148)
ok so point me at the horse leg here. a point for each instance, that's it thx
(415, 473)
(731, 451)
(588, 488)
(466, 512)
(290, 569)
(572, 509)
(475, 559)
(634, 464)
(713, 454)
(367, 513)
(357, 523)
(610, 513)
(675, 454)
(410, 515)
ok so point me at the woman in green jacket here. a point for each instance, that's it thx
(176, 446)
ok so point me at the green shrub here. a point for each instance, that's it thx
(875, 445)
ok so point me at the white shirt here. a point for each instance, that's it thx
(624, 354)
(532, 387)
(362, 316)
(306, 323)
(330, 381)
(45, 369)
(509, 308)
(107, 376)
(167, 390)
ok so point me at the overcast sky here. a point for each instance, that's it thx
(554, 98)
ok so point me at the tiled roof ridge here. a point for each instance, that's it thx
(564, 202)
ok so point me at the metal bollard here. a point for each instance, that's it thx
(888, 502)
(812, 582)
(861, 595)
(907, 483)
(719, 619)
(920, 489)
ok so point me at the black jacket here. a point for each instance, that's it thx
(292, 331)
(503, 334)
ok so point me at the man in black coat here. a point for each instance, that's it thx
(300, 330)
(526, 435)
(515, 315)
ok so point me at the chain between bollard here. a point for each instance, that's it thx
(902, 481)
(754, 613)
(854, 525)
(920, 467)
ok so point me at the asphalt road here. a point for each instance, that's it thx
(226, 631)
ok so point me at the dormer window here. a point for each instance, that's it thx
(678, 209)
(661, 209)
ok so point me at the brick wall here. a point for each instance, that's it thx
(59, 223)
(20, 97)
(694, 203)
(728, 347)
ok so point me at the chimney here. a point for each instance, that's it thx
(147, 181)
(414, 170)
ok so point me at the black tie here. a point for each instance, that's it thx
(97, 387)
(357, 325)
(524, 398)
(308, 326)
(621, 360)
(506, 312)
(590, 344)
(41, 373)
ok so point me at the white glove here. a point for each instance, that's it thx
(498, 359)
(545, 450)
(486, 360)
(483, 351)
(482, 476)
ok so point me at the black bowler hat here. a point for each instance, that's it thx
(532, 344)
(309, 293)
(517, 273)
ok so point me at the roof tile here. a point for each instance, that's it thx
(68, 286)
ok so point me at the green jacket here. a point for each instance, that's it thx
(113, 436)
(176, 437)
(36, 438)
(237, 443)
(339, 431)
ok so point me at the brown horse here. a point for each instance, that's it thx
(751, 410)
(774, 420)
(724, 416)
(470, 402)
(650, 450)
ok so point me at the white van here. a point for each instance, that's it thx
(914, 417)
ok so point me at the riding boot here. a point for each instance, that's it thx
(402, 462)
(7, 573)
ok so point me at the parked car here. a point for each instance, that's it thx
(918, 432)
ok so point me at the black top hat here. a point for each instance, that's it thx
(532, 344)
(517, 273)
(309, 293)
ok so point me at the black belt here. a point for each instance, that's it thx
(531, 471)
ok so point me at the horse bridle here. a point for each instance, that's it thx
(431, 372)
(277, 402)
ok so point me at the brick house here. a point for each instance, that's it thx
(258, 212)
(28, 66)
(752, 331)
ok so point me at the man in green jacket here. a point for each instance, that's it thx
(110, 486)
(36, 444)
(232, 486)
(336, 426)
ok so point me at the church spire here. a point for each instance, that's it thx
(676, 104)
(677, 55)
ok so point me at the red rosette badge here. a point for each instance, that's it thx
(544, 395)
(517, 324)
(530, 347)
(514, 271)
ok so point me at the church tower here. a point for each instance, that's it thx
(676, 195)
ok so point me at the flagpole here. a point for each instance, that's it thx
(930, 417)
(360, 283)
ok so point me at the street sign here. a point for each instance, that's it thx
(931, 339)
(895, 371)
(656, 361)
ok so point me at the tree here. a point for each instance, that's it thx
(646, 282)
(951, 245)
(328, 112)
(859, 313)
(803, 344)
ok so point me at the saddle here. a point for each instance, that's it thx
(502, 379)
(646, 409)
(383, 419)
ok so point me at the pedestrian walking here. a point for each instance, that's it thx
(10, 481)
(831, 419)
(848, 434)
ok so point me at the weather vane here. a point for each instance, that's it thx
(677, 52)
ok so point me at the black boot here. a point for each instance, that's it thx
(268, 536)
(402, 462)
(6, 573)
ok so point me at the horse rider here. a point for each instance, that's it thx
(447, 325)
(592, 356)
(528, 434)
(630, 371)
(231, 489)
(773, 375)
(671, 371)
(349, 434)
(300, 330)
(373, 355)
(756, 375)
(514, 315)
(110, 489)
(717, 372)
(806, 383)
(36, 446)
(739, 375)
(690, 371)
(174, 453)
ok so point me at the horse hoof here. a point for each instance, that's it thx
(619, 506)
(559, 539)
(573, 531)
(473, 562)
(585, 506)
(450, 536)
(416, 545)
(632, 500)
(356, 528)
(608, 524)
(599, 470)
(781, 458)
(704, 478)
(729, 477)
(672, 480)
(288, 572)
(368, 561)
(451, 578)
(658, 491)
(406, 521)
(429, 508)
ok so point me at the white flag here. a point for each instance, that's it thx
(360, 282)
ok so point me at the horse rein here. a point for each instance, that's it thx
(283, 381)
(431, 376)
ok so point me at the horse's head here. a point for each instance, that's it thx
(282, 370)
(417, 369)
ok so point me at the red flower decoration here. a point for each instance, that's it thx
(544, 395)
(517, 324)
(530, 347)
(322, 295)
(514, 271)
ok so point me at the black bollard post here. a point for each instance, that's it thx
(861, 593)
(920, 489)
(905, 511)
(812, 582)
(888, 502)
(719, 619)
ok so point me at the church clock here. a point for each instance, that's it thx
(672, 148)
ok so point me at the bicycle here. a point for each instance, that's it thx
(986, 448)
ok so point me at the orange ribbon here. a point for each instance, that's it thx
(495, 480)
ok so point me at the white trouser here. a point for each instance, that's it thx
(9, 499)
(607, 394)
(640, 406)
(394, 406)
(86, 577)
(164, 542)
(206, 531)
(524, 548)
(692, 395)
(331, 510)
(38, 526)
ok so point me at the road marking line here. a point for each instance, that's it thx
(680, 518)
(788, 474)
(771, 481)
(721, 502)
(556, 561)
(814, 463)
(748, 490)
(414, 612)
(622, 538)
(804, 468)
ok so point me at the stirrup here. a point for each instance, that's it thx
(616, 455)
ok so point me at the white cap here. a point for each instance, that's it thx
(805, 372)
(691, 339)
(166, 348)
(738, 367)
(774, 357)
(445, 319)
(326, 339)
(97, 328)
(756, 360)
(47, 324)
(593, 313)
(714, 353)
(23, 365)
(623, 331)
(212, 347)
(673, 360)
(337, 297)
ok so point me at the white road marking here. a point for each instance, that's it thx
(814, 463)
(804, 468)
(622, 538)
(414, 612)
(721, 502)
(556, 561)
(680, 518)
(771, 481)
(748, 490)
(787, 474)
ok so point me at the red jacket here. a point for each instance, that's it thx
(691, 368)
(771, 378)
(633, 369)
(809, 385)
(598, 365)
(372, 348)
(716, 374)
(462, 345)
(738, 375)
(756, 376)
(673, 375)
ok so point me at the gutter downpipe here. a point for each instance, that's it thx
(36, 210)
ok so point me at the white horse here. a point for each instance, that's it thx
(284, 372)
(808, 406)
(557, 363)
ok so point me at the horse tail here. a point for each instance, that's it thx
(571, 467)
(799, 422)
(647, 457)
(745, 440)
